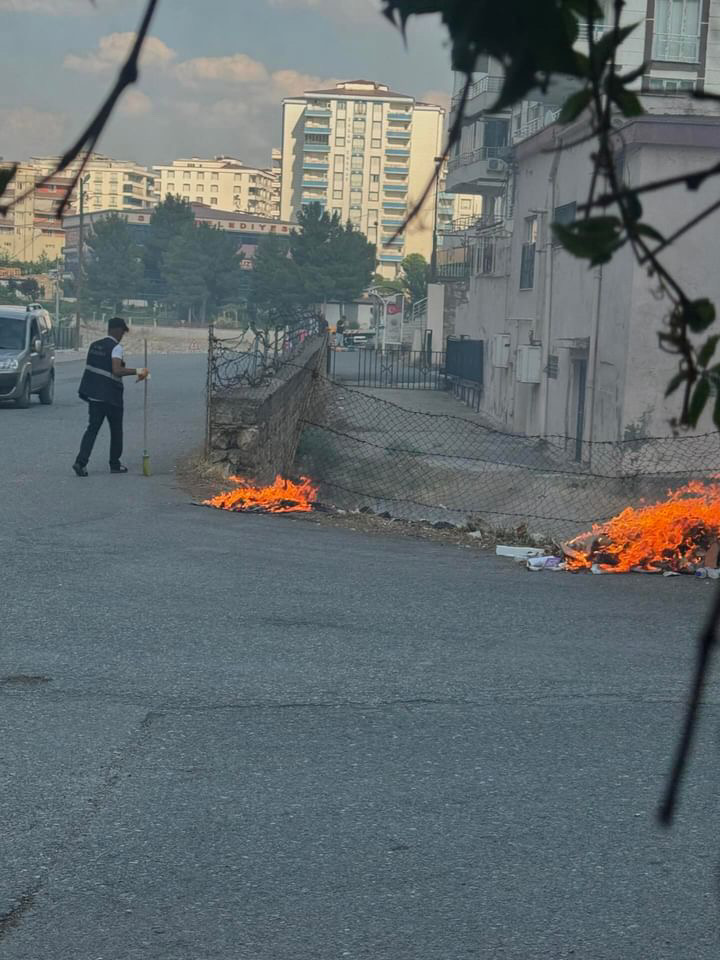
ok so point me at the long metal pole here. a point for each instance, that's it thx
(146, 455)
(81, 261)
(57, 292)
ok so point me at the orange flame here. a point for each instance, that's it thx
(283, 496)
(676, 534)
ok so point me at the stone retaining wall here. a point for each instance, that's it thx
(254, 431)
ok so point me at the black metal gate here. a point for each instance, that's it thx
(392, 369)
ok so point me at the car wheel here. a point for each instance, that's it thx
(47, 394)
(23, 401)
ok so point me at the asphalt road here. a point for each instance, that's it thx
(234, 737)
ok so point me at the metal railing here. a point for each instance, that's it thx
(477, 155)
(484, 85)
(535, 126)
(599, 30)
(676, 48)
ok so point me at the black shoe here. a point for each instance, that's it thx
(80, 469)
(119, 469)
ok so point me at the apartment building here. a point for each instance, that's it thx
(224, 182)
(108, 184)
(366, 153)
(569, 350)
(30, 230)
(276, 173)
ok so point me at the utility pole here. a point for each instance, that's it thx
(81, 258)
(57, 291)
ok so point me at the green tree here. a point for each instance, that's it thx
(414, 274)
(169, 219)
(335, 260)
(30, 288)
(114, 269)
(201, 270)
(276, 278)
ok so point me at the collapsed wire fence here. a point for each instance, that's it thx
(412, 460)
(363, 450)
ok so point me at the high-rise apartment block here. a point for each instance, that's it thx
(366, 153)
(224, 183)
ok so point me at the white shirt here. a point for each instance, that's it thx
(117, 353)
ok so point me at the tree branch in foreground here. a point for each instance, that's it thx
(89, 137)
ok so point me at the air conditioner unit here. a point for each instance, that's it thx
(500, 350)
(495, 164)
(529, 363)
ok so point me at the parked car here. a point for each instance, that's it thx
(27, 354)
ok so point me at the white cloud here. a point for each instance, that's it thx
(236, 69)
(112, 51)
(135, 103)
(27, 130)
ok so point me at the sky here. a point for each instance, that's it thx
(213, 75)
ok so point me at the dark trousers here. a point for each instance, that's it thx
(97, 413)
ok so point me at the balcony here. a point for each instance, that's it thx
(398, 134)
(676, 48)
(317, 111)
(395, 188)
(484, 170)
(481, 96)
(306, 201)
(314, 184)
(392, 223)
(316, 148)
(396, 152)
(317, 127)
(391, 257)
(315, 165)
(399, 117)
(402, 171)
(394, 204)
(535, 126)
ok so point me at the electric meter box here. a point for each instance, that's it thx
(500, 350)
(529, 364)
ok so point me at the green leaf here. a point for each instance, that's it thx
(675, 382)
(634, 207)
(698, 401)
(707, 351)
(595, 239)
(645, 230)
(699, 314)
(626, 100)
(574, 105)
(6, 176)
(610, 41)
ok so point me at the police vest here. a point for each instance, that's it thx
(98, 381)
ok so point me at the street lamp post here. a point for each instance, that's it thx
(81, 258)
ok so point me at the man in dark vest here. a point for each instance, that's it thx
(102, 388)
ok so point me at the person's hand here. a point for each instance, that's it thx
(143, 373)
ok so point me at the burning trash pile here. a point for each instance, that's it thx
(282, 496)
(679, 535)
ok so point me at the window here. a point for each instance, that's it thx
(527, 260)
(200, 175)
(238, 177)
(669, 85)
(186, 187)
(213, 200)
(377, 111)
(360, 108)
(373, 195)
(465, 204)
(339, 162)
(198, 199)
(309, 138)
(374, 178)
(337, 194)
(186, 175)
(356, 180)
(358, 145)
(565, 213)
(201, 186)
(677, 31)
(355, 198)
(374, 164)
(341, 108)
(214, 188)
(215, 176)
(496, 133)
(339, 141)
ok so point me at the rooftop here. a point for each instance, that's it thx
(360, 88)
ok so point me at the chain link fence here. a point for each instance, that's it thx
(363, 450)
